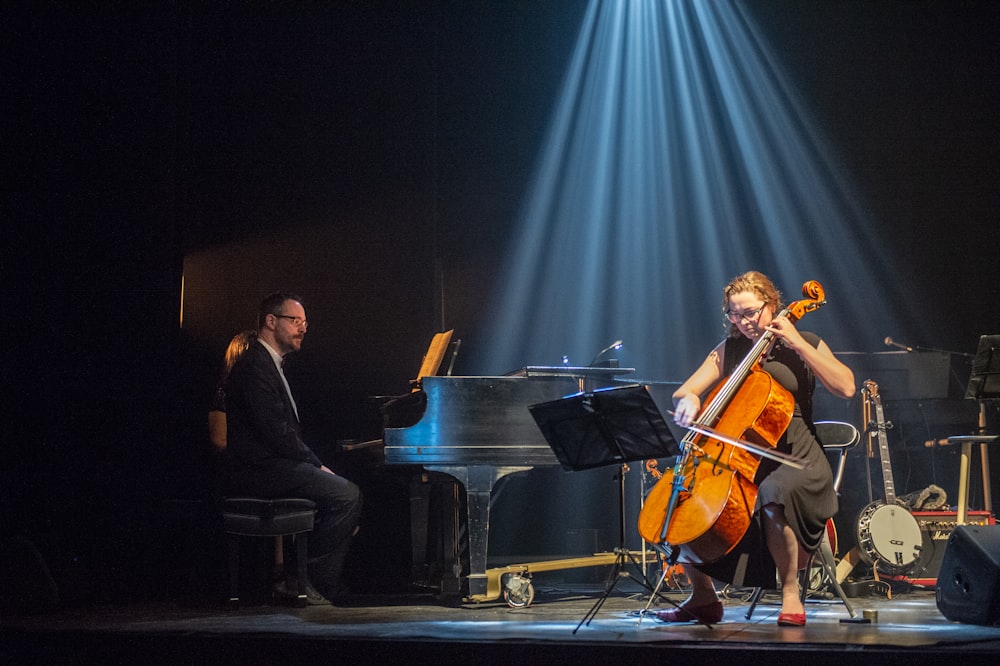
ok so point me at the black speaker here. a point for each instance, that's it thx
(968, 584)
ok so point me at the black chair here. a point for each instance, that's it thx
(270, 518)
(838, 438)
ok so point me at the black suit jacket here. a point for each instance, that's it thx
(260, 421)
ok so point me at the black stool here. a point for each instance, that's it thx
(254, 517)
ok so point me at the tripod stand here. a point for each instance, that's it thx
(623, 556)
(606, 427)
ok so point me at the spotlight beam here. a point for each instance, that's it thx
(678, 155)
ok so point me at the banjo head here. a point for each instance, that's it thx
(889, 537)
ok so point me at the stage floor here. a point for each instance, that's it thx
(908, 629)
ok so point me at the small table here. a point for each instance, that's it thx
(963, 472)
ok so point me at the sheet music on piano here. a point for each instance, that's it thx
(403, 410)
(434, 356)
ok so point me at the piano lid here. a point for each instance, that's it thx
(478, 420)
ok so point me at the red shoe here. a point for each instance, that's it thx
(791, 619)
(707, 613)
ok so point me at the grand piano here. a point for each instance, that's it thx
(478, 430)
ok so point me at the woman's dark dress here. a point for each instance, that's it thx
(807, 495)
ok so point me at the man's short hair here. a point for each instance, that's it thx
(272, 305)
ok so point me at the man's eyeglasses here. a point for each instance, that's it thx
(296, 321)
(749, 315)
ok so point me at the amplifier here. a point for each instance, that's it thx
(935, 528)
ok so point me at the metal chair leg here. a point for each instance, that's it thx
(233, 543)
(758, 592)
(829, 566)
(301, 560)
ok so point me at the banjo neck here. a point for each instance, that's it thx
(878, 428)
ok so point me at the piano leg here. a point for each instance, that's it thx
(478, 481)
(478, 487)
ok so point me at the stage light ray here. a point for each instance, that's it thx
(677, 156)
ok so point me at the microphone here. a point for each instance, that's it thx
(889, 342)
(617, 344)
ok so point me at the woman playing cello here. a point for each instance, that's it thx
(793, 504)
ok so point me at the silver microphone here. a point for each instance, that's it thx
(889, 342)
(617, 344)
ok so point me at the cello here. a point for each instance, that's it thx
(706, 501)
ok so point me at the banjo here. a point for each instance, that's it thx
(888, 535)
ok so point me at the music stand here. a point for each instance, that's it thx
(984, 385)
(984, 382)
(610, 426)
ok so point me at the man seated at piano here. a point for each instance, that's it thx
(265, 452)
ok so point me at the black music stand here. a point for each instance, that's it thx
(984, 382)
(609, 426)
(984, 385)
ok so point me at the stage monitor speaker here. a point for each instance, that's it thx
(968, 585)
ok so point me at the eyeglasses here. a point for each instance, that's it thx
(296, 321)
(750, 315)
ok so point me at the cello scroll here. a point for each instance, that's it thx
(815, 297)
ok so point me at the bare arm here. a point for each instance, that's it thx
(835, 376)
(687, 398)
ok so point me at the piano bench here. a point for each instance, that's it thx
(273, 518)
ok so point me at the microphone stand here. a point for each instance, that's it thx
(943, 351)
(889, 342)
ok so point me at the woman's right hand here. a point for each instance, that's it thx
(686, 409)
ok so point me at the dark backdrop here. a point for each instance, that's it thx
(370, 156)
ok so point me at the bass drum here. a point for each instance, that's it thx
(889, 537)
